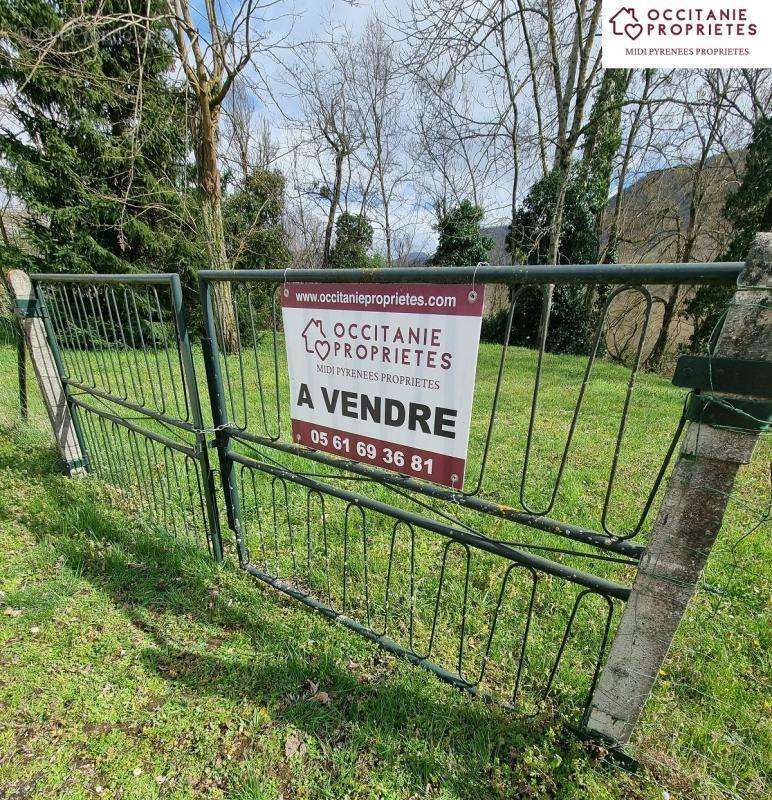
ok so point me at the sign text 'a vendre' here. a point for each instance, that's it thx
(384, 373)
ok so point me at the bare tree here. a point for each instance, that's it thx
(574, 65)
(249, 142)
(631, 139)
(451, 163)
(457, 45)
(683, 150)
(381, 97)
(547, 49)
(239, 109)
(212, 55)
(705, 112)
(330, 124)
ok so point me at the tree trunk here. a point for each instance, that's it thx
(208, 169)
(387, 226)
(654, 361)
(334, 200)
(556, 228)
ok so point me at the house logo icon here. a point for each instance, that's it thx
(315, 339)
(625, 23)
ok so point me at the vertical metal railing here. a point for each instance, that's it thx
(10, 332)
(493, 597)
(123, 354)
(337, 536)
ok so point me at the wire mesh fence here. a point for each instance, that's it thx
(470, 611)
(554, 438)
(160, 477)
(713, 691)
(118, 343)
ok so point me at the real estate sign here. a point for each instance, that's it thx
(384, 373)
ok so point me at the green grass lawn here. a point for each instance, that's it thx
(135, 667)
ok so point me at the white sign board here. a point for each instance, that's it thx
(384, 373)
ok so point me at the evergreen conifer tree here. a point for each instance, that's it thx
(353, 238)
(461, 242)
(94, 147)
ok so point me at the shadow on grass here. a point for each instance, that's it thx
(156, 582)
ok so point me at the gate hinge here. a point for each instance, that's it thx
(27, 307)
(725, 375)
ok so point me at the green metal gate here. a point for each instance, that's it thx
(483, 586)
(508, 587)
(123, 353)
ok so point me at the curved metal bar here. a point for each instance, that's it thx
(474, 540)
(526, 632)
(563, 529)
(346, 549)
(447, 611)
(316, 493)
(591, 358)
(496, 392)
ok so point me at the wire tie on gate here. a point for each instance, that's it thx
(473, 292)
(286, 290)
(214, 429)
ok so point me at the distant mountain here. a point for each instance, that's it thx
(655, 212)
(499, 255)
(416, 258)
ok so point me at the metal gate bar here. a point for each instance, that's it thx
(725, 272)
(304, 560)
(233, 393)
(588, 581)
(465, 672)
(539, 522)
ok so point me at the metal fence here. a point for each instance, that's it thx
(509, 587)
(412, 565)
(122, 349)
(14, 360)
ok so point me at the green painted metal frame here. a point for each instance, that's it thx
(233, 464)
(19, 310)
(227, 434)
(517, 277)
(195, 426)
(725, 375)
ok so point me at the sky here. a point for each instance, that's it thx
(307, 21)
(313, 20)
